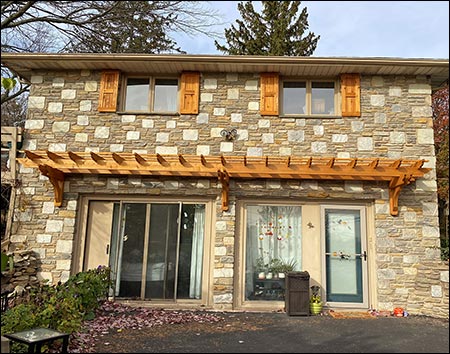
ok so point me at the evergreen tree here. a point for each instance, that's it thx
(279, 30)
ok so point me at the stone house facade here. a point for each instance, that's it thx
(191, 176)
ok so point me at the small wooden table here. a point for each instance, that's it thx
(35, 337)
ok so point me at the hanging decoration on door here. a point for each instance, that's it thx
(341, 255)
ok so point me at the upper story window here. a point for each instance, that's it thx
(306, 97)
(149, 94)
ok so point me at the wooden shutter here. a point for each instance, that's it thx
(190, 88)
(269, 94)
(350, 93)
(109, 89)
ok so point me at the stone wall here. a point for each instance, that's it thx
(395, 123)
(22, 276)
(432, 275)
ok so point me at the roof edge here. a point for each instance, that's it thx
(241, 59)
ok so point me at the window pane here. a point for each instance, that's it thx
(294, 98)
(137, 94)
(166, 93)
(322, 98)
(273, 238)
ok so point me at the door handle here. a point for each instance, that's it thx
(107, 249)
(362, 255)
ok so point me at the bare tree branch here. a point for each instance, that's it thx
(19, 13)
(100, 26)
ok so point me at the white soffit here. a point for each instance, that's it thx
(26, 63)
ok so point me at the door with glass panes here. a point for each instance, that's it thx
(345, 256)
(155, 250)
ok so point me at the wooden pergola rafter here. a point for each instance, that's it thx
(55, 165)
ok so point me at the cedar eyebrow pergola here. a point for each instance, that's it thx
(56, 165)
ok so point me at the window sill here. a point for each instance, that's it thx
(316, 116)
(140, 113)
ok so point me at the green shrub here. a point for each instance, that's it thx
(62, 307)
(88, 287)
(19, 318)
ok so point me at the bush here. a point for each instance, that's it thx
(89, 287)
(63, 306)
(19, 318)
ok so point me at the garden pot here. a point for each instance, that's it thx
(315, 308)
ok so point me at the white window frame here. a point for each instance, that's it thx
(151, 98)
(308, 98)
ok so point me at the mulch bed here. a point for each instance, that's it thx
(118, 327)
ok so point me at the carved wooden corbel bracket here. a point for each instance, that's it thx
(224, 179)
(395, 186)
(57, 180)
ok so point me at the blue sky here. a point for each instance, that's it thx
(403, 29)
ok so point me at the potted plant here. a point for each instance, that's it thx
(261, 268)
(315, 301)
(286, 267)
(275, 267)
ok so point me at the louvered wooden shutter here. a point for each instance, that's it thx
(109, 89)
(190, 88)
(350, 93)
(269, 94)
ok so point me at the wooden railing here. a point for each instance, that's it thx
(10, 137)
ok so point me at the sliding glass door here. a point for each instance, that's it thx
(155, 250)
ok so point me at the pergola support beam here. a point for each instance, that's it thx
(224, 179)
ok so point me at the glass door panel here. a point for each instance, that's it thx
(162, 251)
(344, 256)
(131, 250)
(190, 263)
(114, 249)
